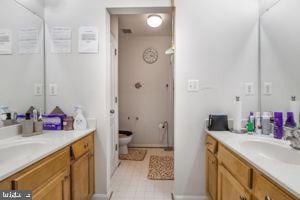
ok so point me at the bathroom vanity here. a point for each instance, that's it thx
(250, 168)
(62, 168)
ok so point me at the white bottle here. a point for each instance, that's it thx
(80, 122)
(258, 127)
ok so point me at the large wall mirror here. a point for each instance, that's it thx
(21, 57)
(280, 54)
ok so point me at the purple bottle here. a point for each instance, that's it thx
(278, 125)
(290, 121)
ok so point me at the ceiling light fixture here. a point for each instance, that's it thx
(154, 21)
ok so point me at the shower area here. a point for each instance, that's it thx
(145, 82)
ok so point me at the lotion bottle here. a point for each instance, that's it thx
(80, 122)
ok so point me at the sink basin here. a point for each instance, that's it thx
(273, 151)
(20, 150)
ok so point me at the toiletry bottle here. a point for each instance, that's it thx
(250, 124)
(80, 122)
(290, 121)
(278, 125)
(258, 127)
(266, 123)
(27, 126)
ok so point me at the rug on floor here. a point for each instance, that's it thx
(134, 155)
(161, 168)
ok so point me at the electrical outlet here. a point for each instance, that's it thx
(53, 89)
(38, 89)
(268, 88)
(193, 85)
(249, 89)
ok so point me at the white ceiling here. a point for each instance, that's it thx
(138, 24)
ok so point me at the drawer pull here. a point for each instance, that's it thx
(243, 198)
(268, 198)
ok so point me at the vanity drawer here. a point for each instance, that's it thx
(42, 172)
(82, 146)
(265, 190)
(211, 144)
(235, 166)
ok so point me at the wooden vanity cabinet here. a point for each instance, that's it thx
(82, 169)
(236, 179)
(47, 179)
(229, 188)
(211, 168)
(67, 174)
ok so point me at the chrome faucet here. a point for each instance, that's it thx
(293, 135)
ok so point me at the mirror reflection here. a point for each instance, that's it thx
(280, 59)
(21, 61)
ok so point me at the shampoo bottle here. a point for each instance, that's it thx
(80, 122)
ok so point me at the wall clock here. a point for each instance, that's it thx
(150, 55)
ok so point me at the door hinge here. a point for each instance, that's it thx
(116, 147)
(116, 99)
(116, 52)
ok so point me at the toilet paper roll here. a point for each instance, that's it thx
(237, 116)
(295, 108)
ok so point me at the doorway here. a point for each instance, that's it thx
(142, 100)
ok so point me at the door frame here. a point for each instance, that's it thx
(114, 98)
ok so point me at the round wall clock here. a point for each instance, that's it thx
(150, 55)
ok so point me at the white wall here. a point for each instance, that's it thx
(19, 72)
(216, 43)
(151, 103)
(83, 79)
(280, 45)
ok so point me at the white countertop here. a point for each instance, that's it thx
(50, 142)
(286, 175)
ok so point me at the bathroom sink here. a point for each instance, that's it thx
(21, 150)
(273, 151)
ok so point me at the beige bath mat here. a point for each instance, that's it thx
(134, 155)
(161, 168)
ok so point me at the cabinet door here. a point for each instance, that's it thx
(57, 188)
(212, 175)
(229, 188)
(80, 178)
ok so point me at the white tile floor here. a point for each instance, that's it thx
(130, 181)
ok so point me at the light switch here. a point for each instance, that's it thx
(53, 89)
(268, 88)
(193, 85)
(38, 89)
(249, 89)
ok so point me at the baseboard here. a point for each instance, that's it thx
(183, 197)
(100, 197)
(147, 145)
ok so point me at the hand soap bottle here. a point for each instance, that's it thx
(80, 122)
(27, 126)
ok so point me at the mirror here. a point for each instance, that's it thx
(21, 58)
(280, 54)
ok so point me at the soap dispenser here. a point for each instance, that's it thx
(27, 126)
(80, 122)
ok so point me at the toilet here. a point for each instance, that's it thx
(125, 137)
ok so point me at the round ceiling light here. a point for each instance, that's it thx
(154, 21)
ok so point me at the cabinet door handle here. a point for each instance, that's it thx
(243, 198)
(268, 198)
